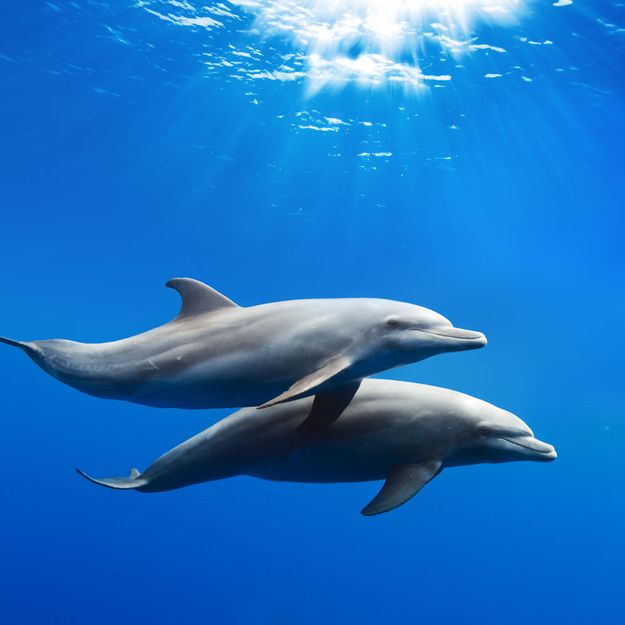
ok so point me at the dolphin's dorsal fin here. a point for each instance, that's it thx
(306, 384)
(403, 483)
(198, 298)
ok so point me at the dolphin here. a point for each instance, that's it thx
(400, 432)
(216, 354)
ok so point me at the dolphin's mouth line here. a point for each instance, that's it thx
(535, 450)
(477, 337)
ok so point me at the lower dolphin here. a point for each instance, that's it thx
(399, 432)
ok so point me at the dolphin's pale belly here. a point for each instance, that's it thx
(323, 469)
(209, 385)
(239, 378)
(352, 461)
(207, 393)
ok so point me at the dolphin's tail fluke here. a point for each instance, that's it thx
(134, 480)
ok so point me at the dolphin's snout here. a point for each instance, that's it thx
(463, 335)
(546, 451)
(465, 339)
(552, 455)
(537, 448)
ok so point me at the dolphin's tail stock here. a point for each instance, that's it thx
(134, 480)
(30, 348)
(14, 343)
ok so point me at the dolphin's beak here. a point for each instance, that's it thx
(533, 447)
(458, 338)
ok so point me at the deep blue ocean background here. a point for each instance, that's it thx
(125, 160)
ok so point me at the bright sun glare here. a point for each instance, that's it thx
(334, 42)
(375, 41)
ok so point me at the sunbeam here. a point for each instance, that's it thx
(373, 42)
(332, 43)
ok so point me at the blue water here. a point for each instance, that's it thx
(126, 160)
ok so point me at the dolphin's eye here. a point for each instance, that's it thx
(484, 430)
(393, 322)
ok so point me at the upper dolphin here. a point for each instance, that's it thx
(395, 431)
(216, 354)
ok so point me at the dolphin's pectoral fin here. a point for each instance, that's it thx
(327, 408)
(309, 382)
(134, 480)
(403, 483)
(198, 298)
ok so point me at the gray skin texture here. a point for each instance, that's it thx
(400, 432)
(216, 354)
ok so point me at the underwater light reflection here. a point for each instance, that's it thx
(378, 41)
(371, 43)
